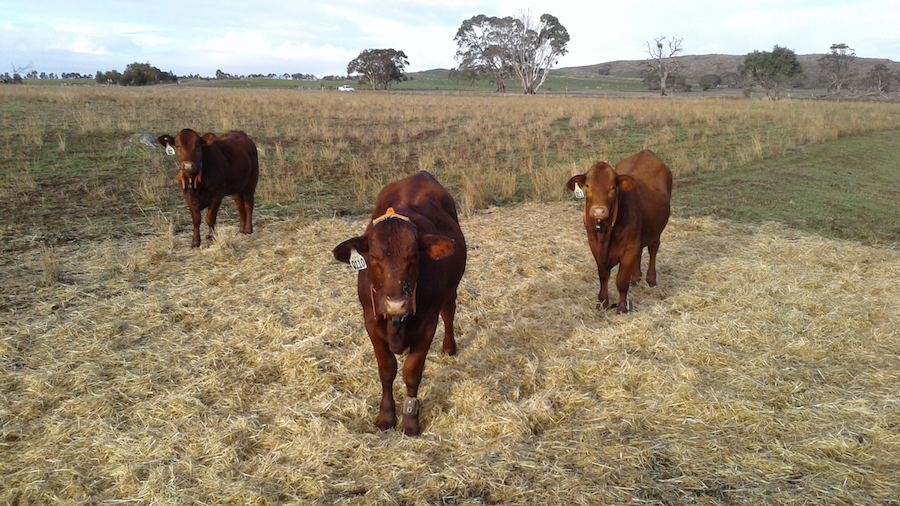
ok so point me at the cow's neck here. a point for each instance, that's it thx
(603, 230)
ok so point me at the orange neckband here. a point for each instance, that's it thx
(389, 214)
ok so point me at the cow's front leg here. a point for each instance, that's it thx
(195, 220)
(623, 282)
(387, 371)
(603, 296)
(412, 376)
(211, 217)
(636, 270)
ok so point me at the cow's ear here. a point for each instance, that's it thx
(341, 252)
(437, 247)
(166, 140)
(625, 182)
(208, 138)
(580, 179)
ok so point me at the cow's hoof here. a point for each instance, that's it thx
(386, 423)
(411, 426)
(411, 417)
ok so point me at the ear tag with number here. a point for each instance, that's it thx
(356, 260)
(170, 150)
(579, 193)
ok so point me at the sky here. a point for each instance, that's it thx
(322, 37)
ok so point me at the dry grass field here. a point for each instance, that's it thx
(763, 369)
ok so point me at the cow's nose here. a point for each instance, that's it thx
(395, 307)
(599, 212)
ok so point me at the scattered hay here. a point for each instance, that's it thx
(762, 370)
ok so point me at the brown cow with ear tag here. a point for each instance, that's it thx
(410, 261)
(211, 167)
(626, 209)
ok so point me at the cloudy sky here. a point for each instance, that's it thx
(321, 37)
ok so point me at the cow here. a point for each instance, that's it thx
(211, 167)
(626, 209)
(413, 255)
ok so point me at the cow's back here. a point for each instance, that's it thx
(433, 212)
(653, 176)
(422, 193)
(653, 191)
(237, 161)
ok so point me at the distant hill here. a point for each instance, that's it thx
(696, 66)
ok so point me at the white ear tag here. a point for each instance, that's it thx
(579, 193)
(356, 260)
(170, 150)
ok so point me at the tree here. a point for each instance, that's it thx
(837, 67)
(538, 47)
(379, 67)
(498, 48)
(663, 51)
(770, 70)
(111, 77)
(136, 74)
(879, 78)
(710, 81)
(142, 74)
(484, 49)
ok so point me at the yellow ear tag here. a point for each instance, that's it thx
(579, 193)
(356, 260)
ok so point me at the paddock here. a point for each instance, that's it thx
(763, 369)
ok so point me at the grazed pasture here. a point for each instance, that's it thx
(762, 370)
(67, 174)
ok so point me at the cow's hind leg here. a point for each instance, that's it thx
(242, 213)
(448, 312)
(247, 225)
(244, 204)
(653, 248)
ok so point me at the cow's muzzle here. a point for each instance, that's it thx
(189, 176)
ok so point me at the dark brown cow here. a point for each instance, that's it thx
(415, 255)
(626, 209)
(211, 167)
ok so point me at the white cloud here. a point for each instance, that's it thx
(322, 37)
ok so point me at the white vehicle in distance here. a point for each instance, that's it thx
(346, 88)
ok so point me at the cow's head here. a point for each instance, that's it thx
(188, 147)
(601, 186)
(392, 248)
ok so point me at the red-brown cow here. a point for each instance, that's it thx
(211, 167)
(415, 255)
(626, 209)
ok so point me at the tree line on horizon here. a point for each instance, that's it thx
(771, 70)
(525, 48)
